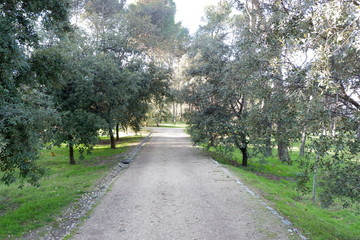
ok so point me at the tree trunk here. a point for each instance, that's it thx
(174, 112)
(112, 138)
(333, 128)
(282, 143)
(268, 149)
(117, 132)
(243, 149)
(71, 154)
(283, 151)
(244, 156)
(314, 185)
(181, 112)
(303, 141)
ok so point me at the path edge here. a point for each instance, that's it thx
(286, 222)
(72, 217)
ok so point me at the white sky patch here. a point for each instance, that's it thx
(190, 12)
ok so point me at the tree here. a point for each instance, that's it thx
(113, 89)
(217, 94)
(102, 14)
(108, 70)
(24, 110)
(71, 91)
(118, 42)
(153, 86)
(275, 72)
(153, 28)
(333, 89)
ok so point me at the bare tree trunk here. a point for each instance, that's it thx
(71, 154)
(181, 112)
(282, 143)
(303, 142)
(243, 149)
(268, 149)
(174, 112)
(314, 185)
(112, 138)
(244, 156)
(117, 132)
(282, 127)
(283, 151)
(333, 128)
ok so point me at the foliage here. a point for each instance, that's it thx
(152, 25)
(25, 112)
(131, 82)
(61, 86)
(217, 93)
(64, 66)
(272, 73)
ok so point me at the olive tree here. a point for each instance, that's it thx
(25, 112)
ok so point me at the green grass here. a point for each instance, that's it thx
(29, 208)
(276, 182)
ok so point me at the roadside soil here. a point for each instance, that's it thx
(174, 191)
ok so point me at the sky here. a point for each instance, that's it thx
(189, 12)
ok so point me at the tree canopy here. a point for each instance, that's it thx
(25, 112)
(63, 81)
(269, 74)
(258, 77)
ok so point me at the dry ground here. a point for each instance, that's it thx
(174, 191)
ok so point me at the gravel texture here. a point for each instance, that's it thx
(174, 191)
(75, 214)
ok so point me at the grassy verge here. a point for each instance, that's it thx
(22, 210)
(276, 182)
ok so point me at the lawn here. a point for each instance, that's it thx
(276, 182)
(22, 210)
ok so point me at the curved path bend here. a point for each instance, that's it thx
(173, 191)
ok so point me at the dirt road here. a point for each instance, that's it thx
(173, 191)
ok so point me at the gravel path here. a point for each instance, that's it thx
(173, 191)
